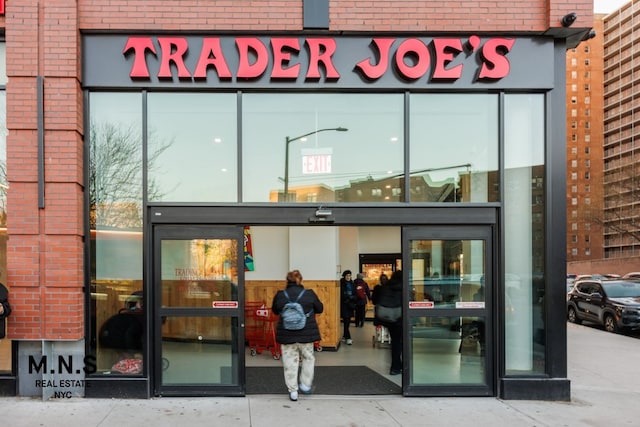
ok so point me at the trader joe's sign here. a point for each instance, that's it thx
(276, 62)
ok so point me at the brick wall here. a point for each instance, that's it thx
(344, 15)
(45, 247)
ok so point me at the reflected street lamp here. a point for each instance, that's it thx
(286, 155)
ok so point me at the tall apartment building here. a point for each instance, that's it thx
(621, 134)
(584, 148)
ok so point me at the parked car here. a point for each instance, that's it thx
(632, 275)
(612, 303)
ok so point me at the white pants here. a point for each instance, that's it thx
(291, 362)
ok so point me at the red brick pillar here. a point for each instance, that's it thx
(45, 247)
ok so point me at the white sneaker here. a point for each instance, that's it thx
(304, 389)
(349, 341)
(293, 396)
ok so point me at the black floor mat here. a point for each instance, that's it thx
(340, 380)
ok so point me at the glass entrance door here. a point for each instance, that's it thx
(448, 321)
(198, 297)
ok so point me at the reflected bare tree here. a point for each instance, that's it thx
(115, 175)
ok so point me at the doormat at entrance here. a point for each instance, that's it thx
(337, 380)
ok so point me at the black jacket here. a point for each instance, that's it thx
(388, 295)
(348, 298)
(4, 300)
(310, 302)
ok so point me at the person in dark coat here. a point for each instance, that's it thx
(297, 345)
(5, 309)
(389, 294)
(348, 301)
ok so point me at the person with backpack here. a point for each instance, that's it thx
(364, 295)
(296, 332)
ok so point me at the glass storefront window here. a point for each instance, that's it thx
(197, 272)
(115, 193)
(352, 152)
(192, 141)
(448, 273)
(454, 148)
(447, 350)
(524, 234)
(199, 350)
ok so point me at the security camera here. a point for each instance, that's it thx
(569, 19)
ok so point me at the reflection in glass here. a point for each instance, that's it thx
(449, 273)
(115, 198)
(197, 272)
(454, 148)
(363, 164)
(199, 350)
(192, 147)
(524, 234)
(447, 350)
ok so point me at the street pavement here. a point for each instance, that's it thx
(605, 391)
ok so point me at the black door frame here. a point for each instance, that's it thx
(459, 232)
(186, 232)
(452, 217)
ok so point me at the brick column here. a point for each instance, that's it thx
(45, 247)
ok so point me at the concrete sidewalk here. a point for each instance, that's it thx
(605, 388)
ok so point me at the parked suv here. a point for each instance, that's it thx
(612, 303)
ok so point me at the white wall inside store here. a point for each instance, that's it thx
(320, 253)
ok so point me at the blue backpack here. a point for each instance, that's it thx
(292, 315)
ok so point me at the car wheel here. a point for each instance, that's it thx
(610, 324)
(573, 316)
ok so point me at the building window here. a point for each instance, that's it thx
(574, 201)
(574, 238)
(587, 251)
(587, 62)
(587, 238)
(439, 143)
(587, 200)
(574, 150)
(587, 175)
(574, 188)
(587, 137)
(574, 75)
(587, 150)
(574, 176)
(574, 62)
(574, 252)
(574, 163)
(587, 163)
(587, 112)
(587, 100)
(524, 160)
(587, 125)
(574, 112)
(574, 87)
(586, 48)
(574, 214)
(587, 188)
(574, 125)
(574, 226)
(587, 87)
(574, 99)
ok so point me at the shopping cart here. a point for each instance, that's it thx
(382, 336)
(260, 331)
